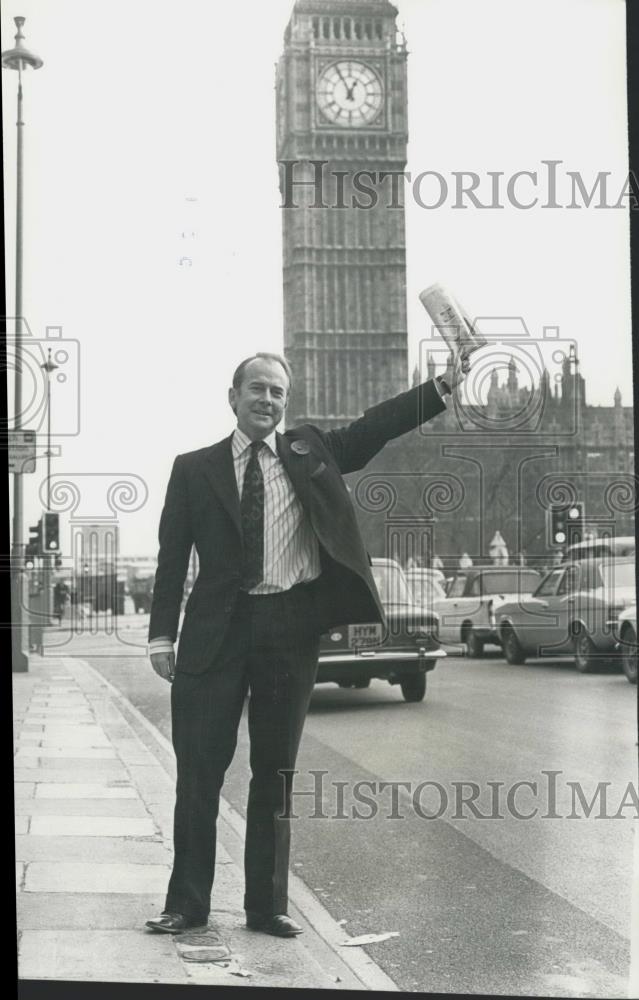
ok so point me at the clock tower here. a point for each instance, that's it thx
(341, 149)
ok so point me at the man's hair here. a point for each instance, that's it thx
(238, 374)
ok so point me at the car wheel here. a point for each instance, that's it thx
(629, 654)
(585, 652)
(414, 687)
(474, 645)
(512, 647)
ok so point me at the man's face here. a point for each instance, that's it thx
(261, 399)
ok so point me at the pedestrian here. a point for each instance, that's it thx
(281, 560)
(60, 598)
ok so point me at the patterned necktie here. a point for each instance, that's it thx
(252, 515)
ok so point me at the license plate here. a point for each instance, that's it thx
(364, 635)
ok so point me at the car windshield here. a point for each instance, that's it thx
(391, 584)
(457, 586)
(548, 586)
(618, 574)
(426, 589)
(517, 582)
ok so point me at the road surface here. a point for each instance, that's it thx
(483, 899)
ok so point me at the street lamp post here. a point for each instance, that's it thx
(18, 58)
(49, 366)
(47, 558)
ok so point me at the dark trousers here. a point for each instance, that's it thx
(271, 651)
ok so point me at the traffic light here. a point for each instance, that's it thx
(51, 533)
(33, 547)
(566, 523)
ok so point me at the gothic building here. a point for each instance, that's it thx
(447, 487)
(342, 129)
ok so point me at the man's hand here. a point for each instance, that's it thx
(453, 376)
(164, 665)
(460, 371)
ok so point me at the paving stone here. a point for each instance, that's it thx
(75, 765)
(71, 737)
(92, 826)
(24, 789)
(140, 759)
(112, 911)
(74, 724)
(104, 771)
(44, 706)
(152, 781)
(59, 701)
(115, 850)
(77, 876)
(102, 956)
(96, 753)
(21, 824)
(135, 752)
(60, 715)
(124, 808)
(27, 762)
(20, 695)
(83, 720)
(28, 739)
(68, 790)
(19, 875)
(89, 727)
(43, 691)
(57, 690)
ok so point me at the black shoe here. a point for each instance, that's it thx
(173, 923)
(279, 925)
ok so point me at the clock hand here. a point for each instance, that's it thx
(349, 90)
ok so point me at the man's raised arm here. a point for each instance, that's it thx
(354, 445)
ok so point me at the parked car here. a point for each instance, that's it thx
(403, 653)
(575, 609)
(627, 644)
(427, 585)
(473, 598)
(595, 548)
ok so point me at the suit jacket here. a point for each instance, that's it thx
(202, 508)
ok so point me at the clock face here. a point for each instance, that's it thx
(349, 93)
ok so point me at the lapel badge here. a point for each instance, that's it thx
(300, 447)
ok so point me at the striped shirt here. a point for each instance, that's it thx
(291, 551)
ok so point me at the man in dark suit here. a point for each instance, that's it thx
(281, 561)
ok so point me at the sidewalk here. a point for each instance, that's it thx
(94, 786)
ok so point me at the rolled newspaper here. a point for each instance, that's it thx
(451, 320)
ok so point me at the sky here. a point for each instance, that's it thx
(153, 227)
